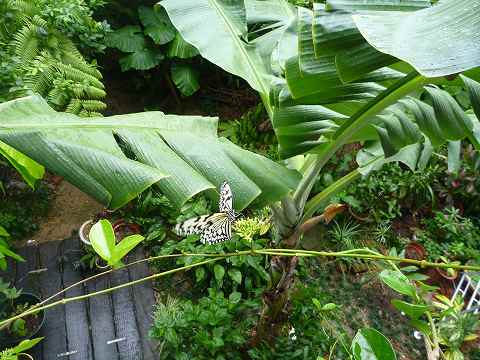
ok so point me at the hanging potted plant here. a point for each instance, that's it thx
(12, 303)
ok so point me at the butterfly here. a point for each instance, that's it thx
(213, 228)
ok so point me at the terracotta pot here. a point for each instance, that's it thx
(416, 251)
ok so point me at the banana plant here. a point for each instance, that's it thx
(335, 75)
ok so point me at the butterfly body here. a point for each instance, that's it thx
(213, 228)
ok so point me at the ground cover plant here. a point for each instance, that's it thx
(372, 129)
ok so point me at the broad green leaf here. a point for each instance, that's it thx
(369, 344)
(185, 78)
(143, 59)
(124, 247)
(3, 232)
(181, 49)
(223, 41)
(414, 311)
(398, 282)
(199, 273)
(157, 24)
(26, 344)
(235, 275)
(219, 272)
(7, 252)
(454, 156)
(473, 88)
(437, 41)
(102, 238)
(181, 154)
(29, 169)
(127, 39)
(235, 297)
(389, 5)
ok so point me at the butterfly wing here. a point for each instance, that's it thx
(218, 230)
(192, 226)
(225, 204)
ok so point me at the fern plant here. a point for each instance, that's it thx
(47, 62)
(150, 44)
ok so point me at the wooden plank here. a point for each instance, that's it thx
(102, 321)
(76, 314)
(27, 279)
(144, 300)
(29, 271)
(130, 348)
(53, 330)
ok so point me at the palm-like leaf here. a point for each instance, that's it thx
(181, 154)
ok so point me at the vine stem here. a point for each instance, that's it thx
(355, 253)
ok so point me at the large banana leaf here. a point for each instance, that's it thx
(199, 21)
(181, 154)
(437, 41)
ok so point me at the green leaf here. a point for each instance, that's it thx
(182, 155)
(437, 41)
(26, 345)
(124, 247)
(7, 252)
(235, 275)
(389, 5)
(127, 39)
(414, 311)
(102, 238)
(143, 59)
(185, 78)
(29, 169)
(181, 49)
(223, 40)
(398, 282)
(199, 274)
(3, 232)
(219, 272)
(369, 344)
(235, 297)
(157, 24)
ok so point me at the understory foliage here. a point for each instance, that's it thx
(155, 42)
(38, 44)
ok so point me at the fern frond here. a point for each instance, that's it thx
(71, 73)
(24, 7)
(74, 107)
(26, 43)
(58, 97)
(85, 113)
(93, 105)
(77, 62)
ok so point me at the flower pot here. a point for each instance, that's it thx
(120, 227)
(415, 251)
(33, 323)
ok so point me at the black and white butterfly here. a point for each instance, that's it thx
(213, 228)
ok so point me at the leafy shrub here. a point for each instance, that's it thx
(216, 327)
(449, 233)
(149, 44)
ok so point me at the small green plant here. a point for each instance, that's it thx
(9, 307)
(450, 234)
(18, 351)
(455, 327)
(148, 45)
(102, 238)
(452, 326)
(5, 249)
(215, 327)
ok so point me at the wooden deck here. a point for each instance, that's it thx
(112, 326)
